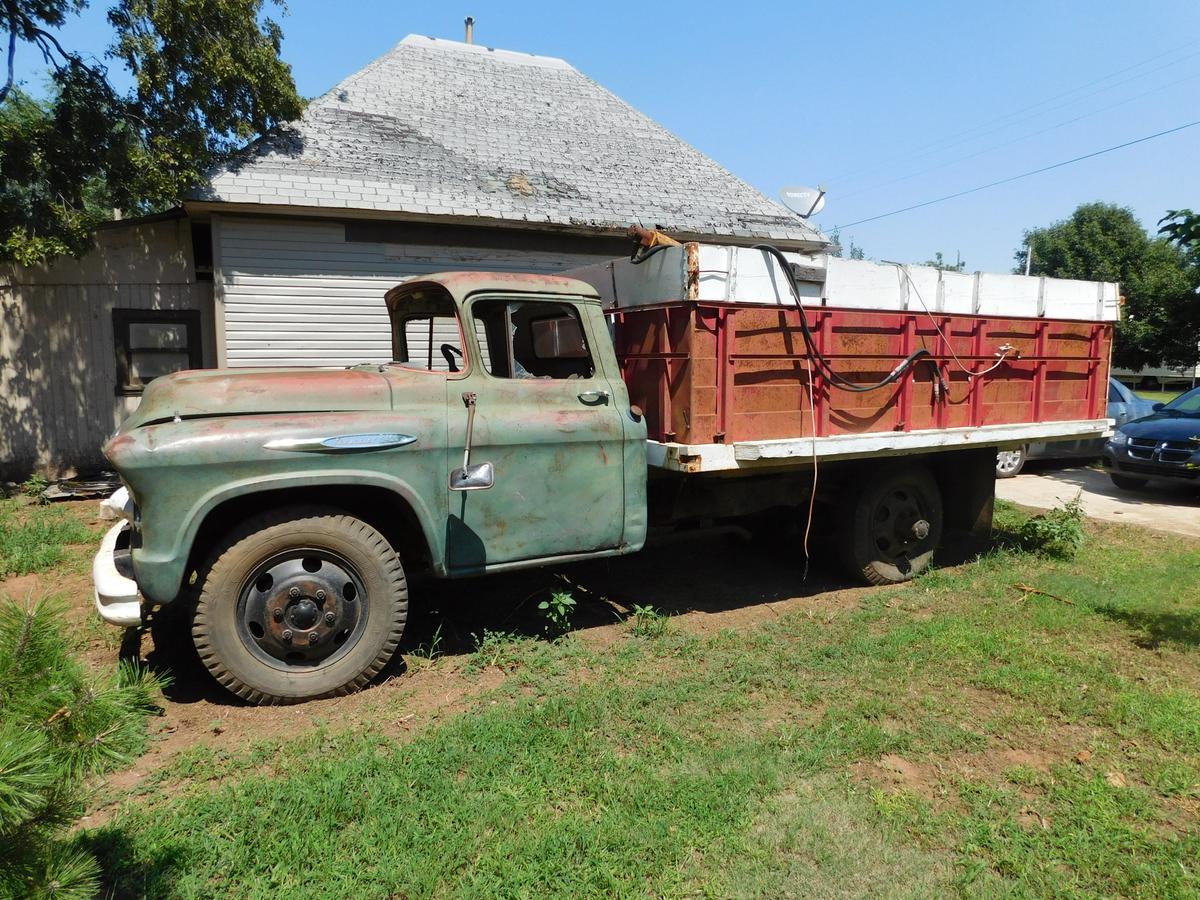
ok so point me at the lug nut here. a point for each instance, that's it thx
(287, 634)
(313, 637)
(320, 595)
(330, 618)
(277, 613)
(294, 593)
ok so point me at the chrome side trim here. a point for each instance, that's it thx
(343, 443)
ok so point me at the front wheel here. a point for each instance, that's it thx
(1010, 462)
(1128, 483)
(300, 603)
(890, 527)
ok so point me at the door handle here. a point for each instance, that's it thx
(594, 398)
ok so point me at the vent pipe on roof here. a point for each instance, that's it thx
(469, 21)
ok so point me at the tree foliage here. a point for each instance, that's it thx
(1104, 242)
(940, 262)
(207, 79)
(58, 727)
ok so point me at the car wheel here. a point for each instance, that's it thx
(889, 529)
(1127, 483)
(1009, 463)
(300, 603)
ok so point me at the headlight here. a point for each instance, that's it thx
(1119, 439)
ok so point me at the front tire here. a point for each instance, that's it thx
(1009, 463)
(300, 603)
(890, 528)
(1128, 483)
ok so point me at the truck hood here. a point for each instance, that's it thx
(208, 393)
(1165, 425)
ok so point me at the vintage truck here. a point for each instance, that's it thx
(530, 420)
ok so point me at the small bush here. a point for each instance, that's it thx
(558, 610)
(37, 543)
(1057, 532)
(501, 649)
(33, 486)
(58, 727)
(648, 622)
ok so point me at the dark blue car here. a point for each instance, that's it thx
(1164, 444)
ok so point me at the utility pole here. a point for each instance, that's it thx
(1028, 256)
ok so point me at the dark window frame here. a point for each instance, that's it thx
(123, 318)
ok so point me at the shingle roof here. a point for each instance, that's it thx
(441, 128)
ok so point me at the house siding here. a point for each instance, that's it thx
(298, 293)
(58, 379)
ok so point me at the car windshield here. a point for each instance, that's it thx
(1186, 404)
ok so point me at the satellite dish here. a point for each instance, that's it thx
(803, 201)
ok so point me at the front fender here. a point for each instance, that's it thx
(179, 472)
(160, 565)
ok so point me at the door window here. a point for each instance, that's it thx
(532, 339)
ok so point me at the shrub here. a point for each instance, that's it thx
(58, 727)
(558, 611)
(1057, 532)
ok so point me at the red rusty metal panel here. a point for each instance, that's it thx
(709, 372)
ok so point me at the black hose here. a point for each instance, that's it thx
(638, 258)
(837, 380)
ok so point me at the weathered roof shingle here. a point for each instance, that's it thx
(438, 128)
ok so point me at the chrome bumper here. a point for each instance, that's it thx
(116, 593)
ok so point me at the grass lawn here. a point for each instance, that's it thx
(35, 537)
(1158, 396)
(957, 735)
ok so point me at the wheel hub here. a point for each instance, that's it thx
(300, 609)
(898, 525)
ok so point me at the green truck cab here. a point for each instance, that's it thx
(286, 507)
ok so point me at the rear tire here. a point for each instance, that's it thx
(1128, 482)
(890, 527)
(300, 603)
(1009, 463)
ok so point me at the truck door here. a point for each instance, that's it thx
(547, 419)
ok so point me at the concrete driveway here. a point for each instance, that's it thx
(1162, 506)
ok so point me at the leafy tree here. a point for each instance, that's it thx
(1182, 228)
(938, 262)
(852, 252)
(207, 79)
(58, 727)
(1105, 242)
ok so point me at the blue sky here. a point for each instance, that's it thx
(885, 104)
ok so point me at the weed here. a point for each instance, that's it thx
(429, 653)
(33, 487)
(648, 622)
(558, 611)
(499, 649)
(1057, 532)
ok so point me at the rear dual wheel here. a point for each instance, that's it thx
(300, 603)
(890, 526)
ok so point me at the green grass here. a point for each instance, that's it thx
(1159, 396)
(35, 538)
(751, 763)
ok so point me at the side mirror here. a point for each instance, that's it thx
(1157, 406)
(478, 477)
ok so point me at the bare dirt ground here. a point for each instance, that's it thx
(706, 580)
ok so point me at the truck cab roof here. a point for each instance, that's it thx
(460, 285)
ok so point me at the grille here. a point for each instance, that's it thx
(1156, 469)
(1174, 452)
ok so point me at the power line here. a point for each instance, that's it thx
(1025, 113)
(1024, 137)
(992, 184)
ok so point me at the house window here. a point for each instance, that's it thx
(152, 342)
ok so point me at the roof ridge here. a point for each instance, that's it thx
(511, 56)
